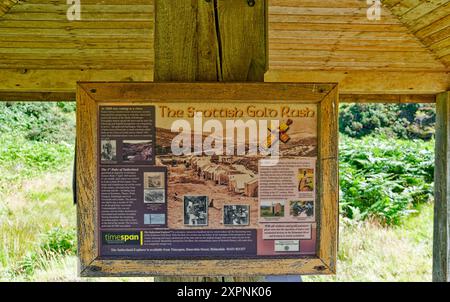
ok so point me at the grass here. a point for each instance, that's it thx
(38, 232)
(42, 209)
(369, 252)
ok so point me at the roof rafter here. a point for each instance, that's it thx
(429, 21)
(5, 6)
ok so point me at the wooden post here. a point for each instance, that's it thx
(441, 247)
(210, 40)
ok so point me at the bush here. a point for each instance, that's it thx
(55, 244)
(21, 159)
(59, 241)
(408, 121)
(42, 122)
(34, 138)
(384, 179)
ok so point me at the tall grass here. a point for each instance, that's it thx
(36, 210)
(38, 225)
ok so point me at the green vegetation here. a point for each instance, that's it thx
(386, 187)
(368, 252)
(407, 121)
(39, 122)
(37, 217)
(37, 225)
(34, 138)
(384, 179)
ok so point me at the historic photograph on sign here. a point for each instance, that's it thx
(301, 210)
(154, 180)
(108, 150)
(154, 219)
(272, 209)
(306, 180)
(196, 210)
(154, 196)
(136, 150)
(236, 215)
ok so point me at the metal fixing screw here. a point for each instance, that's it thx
(251, 3)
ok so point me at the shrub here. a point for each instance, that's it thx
(55, 244)
(384, 179)
(38, 121)
(60, 241)
(408, 121)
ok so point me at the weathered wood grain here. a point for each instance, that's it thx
(387, 98)
(299, 28)
(220, 91)
(185, 41)
(220, 40)
(331, 40)
(6, 5)
(37, 96)
(427, 20)
(343, 98)
(243, 40)
(51, 80)
(86, 176)
(206, 268)
(441, 240)
(369, 82)
(328, 175)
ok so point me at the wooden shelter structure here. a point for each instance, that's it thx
(402, 57)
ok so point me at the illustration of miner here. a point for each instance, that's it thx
(305, 183)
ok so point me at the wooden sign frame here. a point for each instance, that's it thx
(90, 95)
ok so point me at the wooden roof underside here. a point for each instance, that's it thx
(429, 21)
(309, 40)
(336, 35)
(5, 6)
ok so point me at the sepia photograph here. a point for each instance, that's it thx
(108, 150)
(154, 196)
(196, 210)
(137, 150)
(306, 180)
(154, 180)
(236, 214)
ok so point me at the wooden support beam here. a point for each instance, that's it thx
(441, 245)
(210, 40)
(50, 96)
(387, 98)
(61, 96)
(370, 82)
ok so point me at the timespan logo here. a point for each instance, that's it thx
(127, 238)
